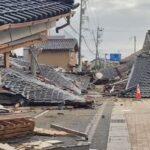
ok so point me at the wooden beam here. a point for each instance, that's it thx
(6, 60)
(21, 25)
(25, 44)
(77, 133)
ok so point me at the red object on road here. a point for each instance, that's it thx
(138, 93)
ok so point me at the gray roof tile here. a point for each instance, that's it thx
(60, 44)
(140, 74)
(35, 91)
(20, 11)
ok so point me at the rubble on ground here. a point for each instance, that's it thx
(15, 127)
(35, 92)
(114, 89)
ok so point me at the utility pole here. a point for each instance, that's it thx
(98, 41)
(135, 42)
(83, 5)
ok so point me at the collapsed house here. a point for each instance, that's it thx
(34, 91)
(25, 23)
(140, 73)
(57, 51)
(49, 73)
(113, 74)
(137, 66)
(48, 88)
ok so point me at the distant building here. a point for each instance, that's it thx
(57, 52)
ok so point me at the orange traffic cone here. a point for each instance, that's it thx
(138, 93)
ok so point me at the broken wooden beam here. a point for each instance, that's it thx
(71, 131)
(45, 132)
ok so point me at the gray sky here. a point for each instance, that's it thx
(120, 19)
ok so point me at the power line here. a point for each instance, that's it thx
(88, 46)
(84, 39)
(69, 34)
(74, 29)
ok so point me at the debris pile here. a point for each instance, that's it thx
(49, 73)
(16, 127)
(133, 70)
(139, 75)
(81, 81)
(34, 91)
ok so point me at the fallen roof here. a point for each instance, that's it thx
(139, 75)
(54, 77)
(140, 72)
(14, 11)
(60, 44)
(35, 91)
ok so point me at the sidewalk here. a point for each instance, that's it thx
(138, 120)
(118, 133)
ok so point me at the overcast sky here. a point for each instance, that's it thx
(121, 21)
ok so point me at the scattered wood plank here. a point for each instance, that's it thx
(41, 145)
(74, 132)
(45, 132)
(6, 147)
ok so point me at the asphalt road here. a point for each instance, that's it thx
(77, 119)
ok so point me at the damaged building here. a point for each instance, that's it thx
(140, 73)
(26, 24)
(57, 52)
(132, 71)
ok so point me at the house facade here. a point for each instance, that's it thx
(58, 53)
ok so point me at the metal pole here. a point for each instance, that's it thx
(96, 57)
(80, 35)
(135, 41)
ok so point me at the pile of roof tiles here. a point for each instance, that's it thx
(121, 71)
(83, 82)
(54, 77)
(140, 74)
(20, 11)
(109, 73)
(35, 91)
